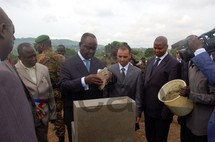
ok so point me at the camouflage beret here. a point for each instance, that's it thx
(41, 38)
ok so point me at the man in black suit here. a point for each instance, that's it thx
(78, 78)
(159, 70)
(16, 114)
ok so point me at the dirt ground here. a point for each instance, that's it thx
(174, 133)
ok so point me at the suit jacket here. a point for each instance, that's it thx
(167, 70)
(206, 65)
(42, 89)
(203, 95)
(130, 86)
(72, 70)
(211, 127)
(16, 114)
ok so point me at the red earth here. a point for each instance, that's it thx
(174, 133)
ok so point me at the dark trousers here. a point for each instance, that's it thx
(69, 130)
(42, 133)
(156, 129)
(181, 121)
(190, 137)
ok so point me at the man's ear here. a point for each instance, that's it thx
(130, 55)
(2, 30)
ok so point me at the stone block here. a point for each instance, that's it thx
(104, 120)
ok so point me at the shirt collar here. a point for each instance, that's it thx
(26, 67)
(125, 67)
(82, 58)
(162, 57)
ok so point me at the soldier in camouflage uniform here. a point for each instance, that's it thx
(52, 60)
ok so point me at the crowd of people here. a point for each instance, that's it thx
(41, 87)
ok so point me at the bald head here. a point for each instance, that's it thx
(3, 16)
(6, 35)
(163, 40)
(194, 42)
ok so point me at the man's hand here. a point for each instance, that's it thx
(108, 76)
(185, 91)
(40, 113)
(93, 79)
(137, 126)
(138, 119)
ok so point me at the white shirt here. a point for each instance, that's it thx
(199, 51)
(125, 67)
(86, 86)
(161, 58)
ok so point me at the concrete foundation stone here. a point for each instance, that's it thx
(104, 120)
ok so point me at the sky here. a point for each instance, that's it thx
(137, 22)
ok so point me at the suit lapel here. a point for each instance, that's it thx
(23, 73)
(118, 73)
(81, 67)
(39, 74)
(93, 66)
(149, 69)
(128, 73)
(160, 66)
(116, 70)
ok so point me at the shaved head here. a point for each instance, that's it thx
(162, 39)
(6, 35)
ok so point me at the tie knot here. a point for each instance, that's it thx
(123, 69)
(86, 60)
(156, 61)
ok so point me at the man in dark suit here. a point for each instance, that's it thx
(78, 78)
(159, 70)
(129, 81)
(16, 115)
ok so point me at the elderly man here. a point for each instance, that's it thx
(206, 65)
(37, 80)
(16, 114)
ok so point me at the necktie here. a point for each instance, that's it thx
(123, 72)
(155, 64)
(87, 64)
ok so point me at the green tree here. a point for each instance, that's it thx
(138, 53)
(149, 53)
(70, 52)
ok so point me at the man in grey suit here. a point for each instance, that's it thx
(129, 81)
(159, 70)
(78, 78)
(36, 78)
(202, 93)
(16, 115)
